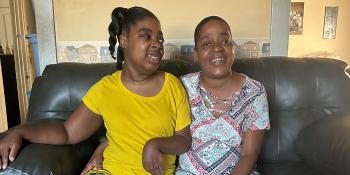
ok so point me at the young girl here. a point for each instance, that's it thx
(145, 111)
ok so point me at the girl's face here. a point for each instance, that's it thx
(143, 46)
(215, 51)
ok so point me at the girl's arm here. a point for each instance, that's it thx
(154, 148)
(78, 127)
(252, 142)
(177, 144)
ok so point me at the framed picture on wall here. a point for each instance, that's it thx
(330, 22)
(296, 16)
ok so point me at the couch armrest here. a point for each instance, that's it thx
(325, 144)
(51, 159)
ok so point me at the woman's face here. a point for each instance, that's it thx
(143, 46)
(215, 51)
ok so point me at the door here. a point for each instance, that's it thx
(5, 44)
(3, 117)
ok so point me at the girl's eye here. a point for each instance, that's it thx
(161, 40)
(147, 36)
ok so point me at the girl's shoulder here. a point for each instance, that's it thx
(171, 79)
(110, 78)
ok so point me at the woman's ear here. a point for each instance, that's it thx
(195, 56)
(123, 41)
(234, 51)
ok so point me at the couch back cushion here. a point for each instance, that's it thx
(300, 91)
(59, 90)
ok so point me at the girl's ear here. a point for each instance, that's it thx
(123, 41)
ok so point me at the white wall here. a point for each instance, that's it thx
(45, 24)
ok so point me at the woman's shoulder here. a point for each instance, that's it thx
(253, 83)
(190, 77)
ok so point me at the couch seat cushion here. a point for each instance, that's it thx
(325, 144)
(285, 168)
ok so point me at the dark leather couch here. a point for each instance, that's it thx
(309, 102)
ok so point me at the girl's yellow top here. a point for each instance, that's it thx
(131, 120)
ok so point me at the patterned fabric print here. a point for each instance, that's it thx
(217, 142)
(210, 152)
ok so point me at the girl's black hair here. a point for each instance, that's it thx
(122, 20)
(203, 22)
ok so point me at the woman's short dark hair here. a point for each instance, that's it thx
(203, 22)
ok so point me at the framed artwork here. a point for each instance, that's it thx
(296, 16)
(330, 22)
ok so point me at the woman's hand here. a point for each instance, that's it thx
(252, 143)
(9, 147)
(152, 158)
(96, 159)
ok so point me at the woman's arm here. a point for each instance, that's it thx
(252, 142)
(78, 127)
(154, 148)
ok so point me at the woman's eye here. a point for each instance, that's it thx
(226, 42)
(206, 44)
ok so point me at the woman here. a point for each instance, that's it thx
(229, 109)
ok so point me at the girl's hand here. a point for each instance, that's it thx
(9, 147)
(96, 159)
(152, 158)
(94, 162)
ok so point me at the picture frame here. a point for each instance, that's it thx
(330, 22)
(296, 15)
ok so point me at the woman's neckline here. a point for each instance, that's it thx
(237, 94)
